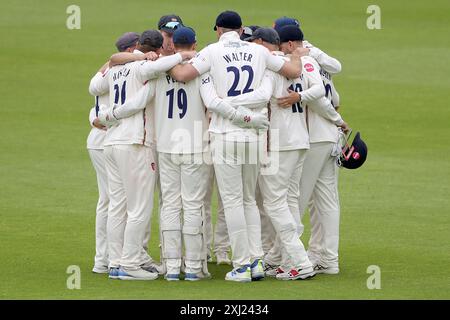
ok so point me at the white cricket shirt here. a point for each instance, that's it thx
(236, 67)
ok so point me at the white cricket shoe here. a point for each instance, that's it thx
(197, 276)
(270, 270)
(100, 269)
(242, 274)
(113, 273)
(222, 258)
(139, 274)
(153, 267)
(172, 276)
(257, 270)
(321, 268)
(295, 274)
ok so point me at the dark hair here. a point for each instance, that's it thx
(147, 48)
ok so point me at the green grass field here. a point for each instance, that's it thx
(394, 88)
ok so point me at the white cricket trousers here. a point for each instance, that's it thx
(147, 235)
(184, 180)
(131, 182)
(221, 241)
(101, 218)
(268, 233)
(318, 187)
(236, 165)
(280, 196)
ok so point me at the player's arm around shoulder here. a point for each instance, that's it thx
(127, 57)
(152, 69)
(197, 66)
(293, 67)
(328, 63)
(311, 73)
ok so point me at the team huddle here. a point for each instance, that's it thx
(254, 113)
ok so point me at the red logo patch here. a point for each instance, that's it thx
(309, 67)
(247, 119)
(355, 155)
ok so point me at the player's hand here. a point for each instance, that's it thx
(96, 123)
(301, 52)
(152, 56)
(289, 100)
(188, 55)
(245, 118)
(344, 126)
(106, 116)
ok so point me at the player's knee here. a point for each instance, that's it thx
(275, 208)
(287, 228)
(230, 204)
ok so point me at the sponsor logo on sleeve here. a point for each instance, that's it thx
(309, 67)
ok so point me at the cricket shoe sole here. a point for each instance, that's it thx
(321, 269)
(137, 275)
(297, 274)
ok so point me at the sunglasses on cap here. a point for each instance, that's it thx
(248, 31)
(171, 25)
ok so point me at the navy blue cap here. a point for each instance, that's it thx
(285, 21)
(184, 35)
(169, 23)
(127, 40)
(229, 20)
(290, 33)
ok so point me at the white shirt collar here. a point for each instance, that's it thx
(230, 35)
(137, 51)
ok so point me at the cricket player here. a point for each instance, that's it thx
(319, 180)
(95, 150)
(167, 25)
(236, 67)
(126, 43)
(127, 145)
